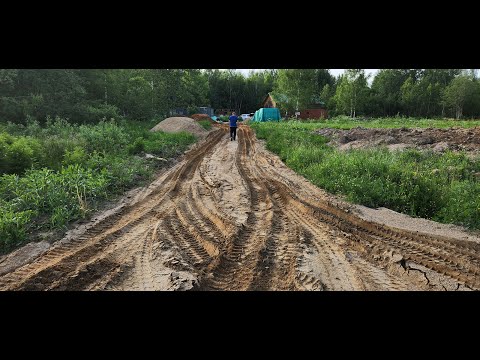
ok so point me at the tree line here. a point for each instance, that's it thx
(393, 92)
(89, 95)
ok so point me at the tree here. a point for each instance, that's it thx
(457, 93)
(298, 86)
(352, 92)
(386, 89)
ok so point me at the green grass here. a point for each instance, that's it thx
(345, 122)
(442, 187)
(52, 175)
(206, 124)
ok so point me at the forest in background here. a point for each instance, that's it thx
(90, 95)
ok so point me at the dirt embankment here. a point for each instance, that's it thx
(232, 216)
(179, 124)
(200, 117)
(439, 140)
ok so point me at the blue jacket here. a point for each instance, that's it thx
(233, 120)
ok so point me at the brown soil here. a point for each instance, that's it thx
(178, 124)
(439, 140)
(199, 117)
(232, 216)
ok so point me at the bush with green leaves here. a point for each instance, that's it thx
(18, 153)
(102, 112)
(105, 136)
(206, 124)
(59, 172)
(137, 147)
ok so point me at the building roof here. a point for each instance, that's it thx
(278, 98)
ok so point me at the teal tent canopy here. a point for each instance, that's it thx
(267, 114)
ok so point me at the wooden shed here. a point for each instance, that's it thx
(315, 110)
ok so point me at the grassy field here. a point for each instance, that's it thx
(345, 122)
(52, 175)
(442, 187)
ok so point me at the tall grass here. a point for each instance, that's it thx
(52, 175)
(345, 122)
(443, 187)
(206, 124)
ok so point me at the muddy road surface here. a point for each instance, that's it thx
(232, 216)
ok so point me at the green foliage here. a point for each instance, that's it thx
(13, 228)
(77, 156)
(456, 94)
(437, 186)
(206, 124)
(345, 122)
(137, 147)
(102, 112)
(167, 145)
(17, 153)
(106, 136)
(352, 92)
(61, 172)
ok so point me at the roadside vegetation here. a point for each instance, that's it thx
(206, 124)
(53, 174)
(345, 123)
(442, 187)
(60, 158)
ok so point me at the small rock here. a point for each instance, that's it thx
(397, 258)
(441, 147)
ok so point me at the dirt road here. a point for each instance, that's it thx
(231, 216)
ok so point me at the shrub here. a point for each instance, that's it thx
(76, 156)
(137, 147)
(61, 172)
(105, 136)
(102, 112)
(17, 153)
(206, 124)
(13, 228)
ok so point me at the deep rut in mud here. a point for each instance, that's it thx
(231, 216)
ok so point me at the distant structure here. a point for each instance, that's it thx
(206, 110)
(315, 110)
(179, 111)
(221, 112)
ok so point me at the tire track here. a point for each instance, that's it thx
(192, 230)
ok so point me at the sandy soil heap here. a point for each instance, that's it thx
(178, 124)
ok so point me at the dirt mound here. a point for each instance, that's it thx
(178, 124)
(199, 117)
(439, 140)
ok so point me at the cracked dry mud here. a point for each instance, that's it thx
(232, 216)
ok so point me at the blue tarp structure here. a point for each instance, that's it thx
(267, 114)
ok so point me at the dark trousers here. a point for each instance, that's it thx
(233, 132)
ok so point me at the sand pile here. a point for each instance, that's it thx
(178, 124)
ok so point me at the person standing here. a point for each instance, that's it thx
(233, 126)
